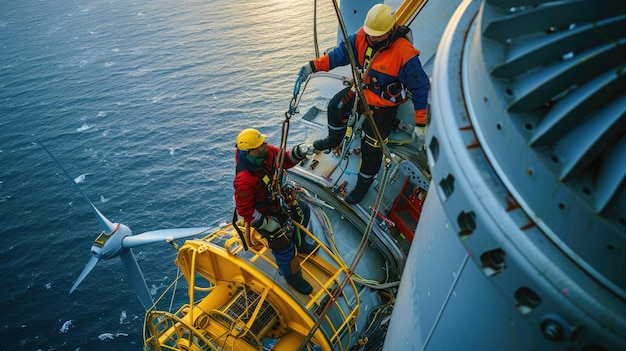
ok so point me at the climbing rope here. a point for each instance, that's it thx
(315, 43)
(358, 84)
(357, 78)
(284, 135)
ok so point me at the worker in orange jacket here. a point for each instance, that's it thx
(391, 72)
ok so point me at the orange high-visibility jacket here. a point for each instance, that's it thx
(397, 63)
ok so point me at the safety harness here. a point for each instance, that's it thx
(273, 203)
(265, 178)
(396, 91)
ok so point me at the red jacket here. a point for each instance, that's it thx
(251, 194)
(398, 63)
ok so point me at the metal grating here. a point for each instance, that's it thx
(244, 304)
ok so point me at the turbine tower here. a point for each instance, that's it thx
(522, 241)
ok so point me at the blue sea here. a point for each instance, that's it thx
(141, 102)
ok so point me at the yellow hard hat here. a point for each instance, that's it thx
(380, 19)
(249, 139)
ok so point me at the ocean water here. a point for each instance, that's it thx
(140, 101)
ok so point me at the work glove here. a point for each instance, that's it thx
(287, 227)
(419, 135)
(269, 224)
(301, 151)
(304, 73)
(352, 119)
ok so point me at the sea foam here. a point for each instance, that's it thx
(110, 336)
(81, 178)
(65, 327)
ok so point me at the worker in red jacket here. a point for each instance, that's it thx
(391, 72)
(264, 209)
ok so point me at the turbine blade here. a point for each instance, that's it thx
(106, 225)
(155, 236)
(136, 278)
(92, 263)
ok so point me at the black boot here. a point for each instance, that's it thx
(362, 185)
(298, 283)
(332, 140)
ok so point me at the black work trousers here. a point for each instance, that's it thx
(339, 109)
